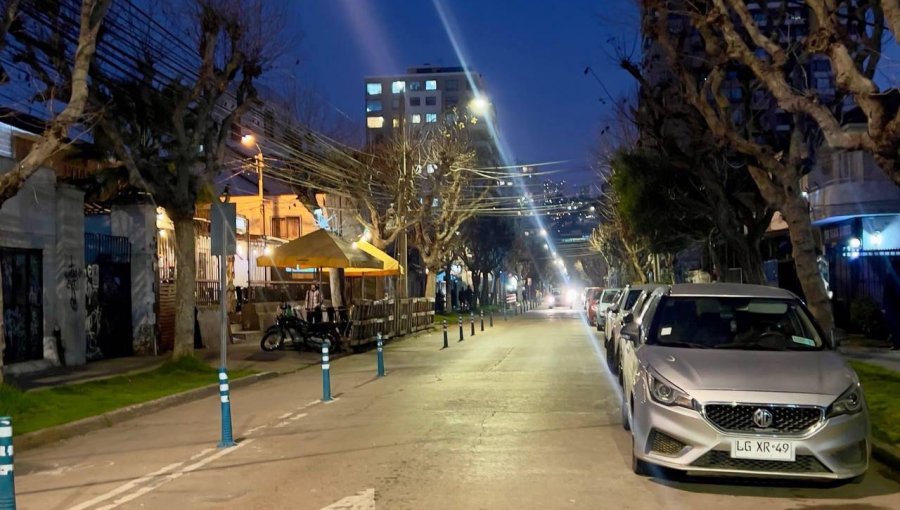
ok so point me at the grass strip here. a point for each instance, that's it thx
(38, 409)
(882, 389)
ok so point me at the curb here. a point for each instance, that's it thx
(50, 435)
(886, 454)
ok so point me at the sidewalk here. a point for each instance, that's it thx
(881, 356)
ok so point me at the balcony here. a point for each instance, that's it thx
(848, 185)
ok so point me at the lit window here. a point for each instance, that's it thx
(395, 123)
(430, 117)
(398, 87)
(375, 122)
(415, 85)
(430, 84)
(430, 101)
(373, 89)
(373, 106)
(415, 101)
(416, 118)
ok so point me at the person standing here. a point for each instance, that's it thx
(313, 304)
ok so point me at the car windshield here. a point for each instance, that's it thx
(734, 323)
(609, 297)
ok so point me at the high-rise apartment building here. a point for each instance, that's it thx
(419, 97)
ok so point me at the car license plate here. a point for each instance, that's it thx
(762, 449)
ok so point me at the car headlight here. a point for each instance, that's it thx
(666, 393)
(850, 402)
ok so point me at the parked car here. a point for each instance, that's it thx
(600, 305)
(554, 298)
(739, 380)
(586, 295)
(633, 296)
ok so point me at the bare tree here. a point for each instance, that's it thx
(70, 76)
(752, 54)
(171, 132)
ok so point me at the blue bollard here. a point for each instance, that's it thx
(459, 317)
(326, 373)
(380, 347)
(445, 334)
(482, 320)
(472, 319)
(491, 315)
(7, 478)
(227, 440)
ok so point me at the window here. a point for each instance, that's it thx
(288, 227)
(431, 118)
(416, 118)
(451, 84)
(451, 101)
(415, 101)
(395, 123)
(395, 103)
(373, 89)
(398, 87)
(430, 101)
(823, 83)
(736, 93)
(375, 122)
(415, 85)
(820, 66)
(373, 106)
(430, 84)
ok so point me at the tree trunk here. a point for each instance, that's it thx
(793, 207)
(476, 288)
(336, 284)
(485, 289)
(752, 263)
(431, 284)
(185, 285)
(803, 244)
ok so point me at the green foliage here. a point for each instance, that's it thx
(866, 317)
(659, 202)
(881, 387)
(34, 410)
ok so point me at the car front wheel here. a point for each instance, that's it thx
(639, 467)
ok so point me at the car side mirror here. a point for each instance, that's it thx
(631, 332)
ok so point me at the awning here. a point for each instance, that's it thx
(320, 248)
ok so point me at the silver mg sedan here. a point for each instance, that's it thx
(739, 380)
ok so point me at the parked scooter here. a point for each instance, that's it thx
(290, 328)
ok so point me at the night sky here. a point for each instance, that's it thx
(532, 54)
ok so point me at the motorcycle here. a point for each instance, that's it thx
(291, 328)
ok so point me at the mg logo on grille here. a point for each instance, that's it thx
(762, 418)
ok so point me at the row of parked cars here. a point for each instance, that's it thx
(732, 379)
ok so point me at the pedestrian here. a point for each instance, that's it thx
(891, 302)
(313, 304)
(439, 301)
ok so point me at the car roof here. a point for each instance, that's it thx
(646, 286)
(730, 290)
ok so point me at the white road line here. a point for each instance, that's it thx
(285, 415)
(301, 415)
(125, 487)
(254, 429)
(364, 500)
(174, 476)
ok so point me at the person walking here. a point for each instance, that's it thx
(313, 304)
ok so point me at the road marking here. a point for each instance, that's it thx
(285, 415)
(364, 500)
(125, 487)
(174, 476)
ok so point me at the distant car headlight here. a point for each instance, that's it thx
(570, 296)
(551, 299)
(850, 402)
(666, 393)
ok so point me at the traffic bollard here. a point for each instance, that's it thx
(7, 477)
(445, 334)
(482, 320)
(472, 320)
(326, 372)
(380, 347)
(491, 317)
(225, 399)
(504, 312)
(459, 317)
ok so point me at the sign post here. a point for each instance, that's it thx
(222, 240)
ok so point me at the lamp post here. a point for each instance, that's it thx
(249, 140)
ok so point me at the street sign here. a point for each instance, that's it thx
(224, 224)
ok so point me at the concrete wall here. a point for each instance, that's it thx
(49, 217)
(137, 222)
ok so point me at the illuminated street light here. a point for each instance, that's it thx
(248, 140)
(544, 232)
(480, 105)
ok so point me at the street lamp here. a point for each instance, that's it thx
(249, 140)
(544, 232)
(480, 105)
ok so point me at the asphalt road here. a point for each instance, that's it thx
(521, 416)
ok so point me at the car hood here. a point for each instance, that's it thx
(814, 372)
